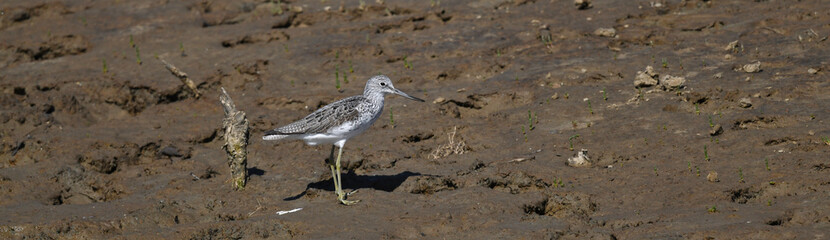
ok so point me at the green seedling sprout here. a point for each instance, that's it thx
(741, 175)
(826, 140)
(104, 61)
(571, 141)
(524, 133)
(690, 166)
(83, 20)
(345, 78)
(336, 77)
(711, 124)
(655, 172)
(665, 63)
(766, 163)
(769, 202)
(530, 120)
(697, 171)
(391, 118)
(706, 152)
(351, 68)
(697, 108)
(590, 109)
(137, 56)
(713, 209)
(181, 48)
(604, 96)
(132, 43)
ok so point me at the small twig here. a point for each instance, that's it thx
(182, 76)
(194, 176)
(258, 207)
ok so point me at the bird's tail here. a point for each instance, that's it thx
(274, 135)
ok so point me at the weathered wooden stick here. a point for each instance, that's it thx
(236, 141)
(182, 76)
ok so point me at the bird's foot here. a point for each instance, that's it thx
(348, 202)
(351, 192)
(341, 196)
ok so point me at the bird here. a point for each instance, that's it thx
(338, 122)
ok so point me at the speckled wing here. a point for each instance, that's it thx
(323, 119)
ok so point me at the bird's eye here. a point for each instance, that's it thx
(383, 84)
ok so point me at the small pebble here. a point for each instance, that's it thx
(746, 102)
(753, 67)
(712, 177)
(716, 130)
(439, 100)
(812, 71)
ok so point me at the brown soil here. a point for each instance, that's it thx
(99, 144)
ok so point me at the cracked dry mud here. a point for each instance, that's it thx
(100, 141)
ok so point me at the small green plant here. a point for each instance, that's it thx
(769, 202)
(279, 7)
(590, 109)
(711, 124)
(407, 64)
(83, 21)
(292, 82)
(524, 133)
(351, 67)
(665, 63)
(336, 54)
(132, 43)
(766, 163)
(530, 120)
(713, 209)
(104, 61)
(690, 167)
(697, 108)
(285, 47)
(498, 52)
(566, 95)
(391, 118)
(697, 171)
(604, 96)
(336, 77)
(571, 141)
(826, 140)
(655, 172)
(137, 56)
(706, 152)
(557, 183)
(345, 78)
(740, 175)
(181, 48)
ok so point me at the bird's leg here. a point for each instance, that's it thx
(340, 194)
(334, 175)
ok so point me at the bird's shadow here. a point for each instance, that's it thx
(351, 180)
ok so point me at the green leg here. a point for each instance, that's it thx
(334, 176)
(340, 194)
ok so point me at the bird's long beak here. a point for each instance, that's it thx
(399, 92)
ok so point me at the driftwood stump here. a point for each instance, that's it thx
(236, 141)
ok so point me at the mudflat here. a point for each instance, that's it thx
(610, 120)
